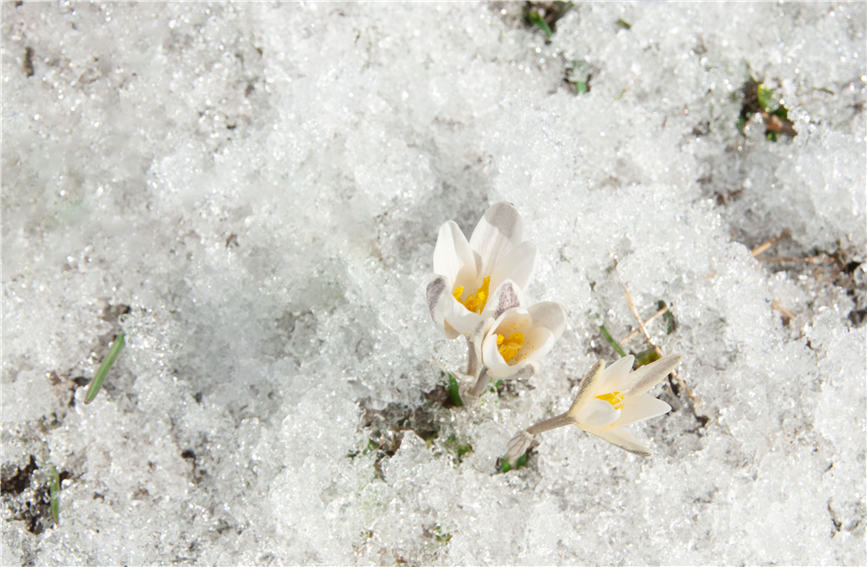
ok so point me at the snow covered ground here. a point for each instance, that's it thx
(252, 193)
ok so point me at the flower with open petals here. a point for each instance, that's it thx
(608, 400)
(611, 398)
(519, 337)
(470, 272)
(511, 345)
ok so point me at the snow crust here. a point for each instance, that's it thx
(251, 193)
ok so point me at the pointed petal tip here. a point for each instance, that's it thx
(587, 386)
(623, 439)
(497, 231)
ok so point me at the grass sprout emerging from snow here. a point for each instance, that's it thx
(115, 349)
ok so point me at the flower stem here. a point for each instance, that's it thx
(561, 420)
(480, 384)
(472, 362)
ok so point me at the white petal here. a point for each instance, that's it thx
(437, 294)
(507, 296)
(524, 369)
(639, 408)
(476, 340)
(479, 334)
(623, 439)
(589, 385)
(462, 319)
(447, 312)
(538, 341)
(516, 265)
(452, 252)
(549, 315)
(595, 413)
(617, 374)
(647, 376)
(498, 230)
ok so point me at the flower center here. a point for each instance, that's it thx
(509, 346)
(475, 301)
(613, 398)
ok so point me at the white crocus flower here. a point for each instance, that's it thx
(611, 398)
(470, 272)
(608, 400)
(511, 345)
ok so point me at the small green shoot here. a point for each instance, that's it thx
(758, 98)
(668, 317)
(578, 75)
(742, 123)
(54, 493)
(496, 386)
(519, 462)
(623, 24)
(459, 449)
(454, 391)
(537, 20)
(369, 448)
(645, 357)
(611, 341)
(440, 535)
(772, 106)
(763, 95)
(96, 384)
(544, 15)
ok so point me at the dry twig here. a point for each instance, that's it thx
(764, 246)
(635, 332)
(820, 259)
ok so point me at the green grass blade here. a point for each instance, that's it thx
(54, 492)
(611, 341)
(668, 317)
(537, 20)
(96, 384)
(454, 391)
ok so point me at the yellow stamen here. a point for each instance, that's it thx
(510, 346)
(613, 398)
(476, 301)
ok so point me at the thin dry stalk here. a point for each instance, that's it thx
(764, 246)
(635, 332)
(820, 259)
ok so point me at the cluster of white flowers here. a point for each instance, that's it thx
(506, 339)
